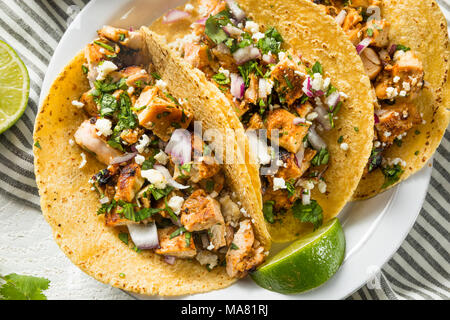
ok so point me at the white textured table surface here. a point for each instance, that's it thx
(27, 247)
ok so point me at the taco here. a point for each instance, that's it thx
(284, 70)
(404, 48)
(134, 196)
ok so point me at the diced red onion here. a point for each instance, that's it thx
(298, 120)
(236, 11)
(319, 93)
(169, 178)
(323, 117)
(232, 31)
(307, 88)
(333, 100)
(124, 158)
(377, 120)
(179, 146)
(363, 45)
(299, 157)
(104, 200)
(341, 17)
(170, 260)
(222, 48)
(268, 58)
(175, 15)
(248, 53)
(262, 88)
(201, 22)
(392, 49)
(237, 86)
(315, 140)
(145, 237)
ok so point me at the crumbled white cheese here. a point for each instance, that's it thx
(312, 116)
(139, 159)
(279, 183)
(322, 186)
(207, 258)
(175, 203)
(71, 142)
(155, 177)
(252, 27)
(179, 44)
(391, 92)
(343, 95)
(161, 84)
(104, 69)
(162, 157)
(258, 35)
(396, 79)
(402, 93)
(387, 134)
(103, 127)
(225, 72)
(83, 160)
(344, 146)
(406, 86)
(281, 55)
(317, 82)
(78, 104)
(130, 90)
(189, 7)
(377, 144)
(143, 142)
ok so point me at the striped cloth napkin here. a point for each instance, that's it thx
(419, 269)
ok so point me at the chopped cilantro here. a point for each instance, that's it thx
(290, 188)
(104, 45)
(308, 213)
(123, 236)
(369, 32)
(391, 175)
(210, 185)
(108, 105)
(317, 68)
(268, 211)
(402, 47)
(37, 145)
(220, 78)
(234, 247)
(375, 159)
(19, 287)
(84, 69)
(323, 157)
(214, 24)
(177, 232)
(188, 237)
(341, 139)
(271, 42)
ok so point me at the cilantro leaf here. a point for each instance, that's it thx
(308, 213)
(317, 68)
(19, 287)
(214, 24)
(391, 175)
(323, 157)
(271, 42)
(268, 211)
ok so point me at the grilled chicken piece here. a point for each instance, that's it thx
(161, 116)
(230, 209)
(217, 235)
(371, 62)
(197, 55)
(396, 120)
(256, 122)
(131, 136)
(279, 197)
(129, 183)
(90, 106)
(214, 184)
(177, 246)
(226, 60)
(211, 7)
(290, 135)
(136, 76)
(94, 54)
(304, 109)
(204, 170)
(290, 76)
(200, 212)
(86, 137)
(291, 170)
(245, 254)
(130, 39)
(378, 31)
(352, 20)
(251, 94)
(405, 75)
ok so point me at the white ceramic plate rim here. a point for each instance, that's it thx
(384, 235)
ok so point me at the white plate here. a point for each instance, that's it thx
(374, 229)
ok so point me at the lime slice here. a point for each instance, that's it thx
(14, 87)
(305, 264)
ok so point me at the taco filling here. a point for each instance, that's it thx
(273, 90)
(396, 72)
(162, 186)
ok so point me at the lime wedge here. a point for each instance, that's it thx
(305, 264)
(14, 87)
